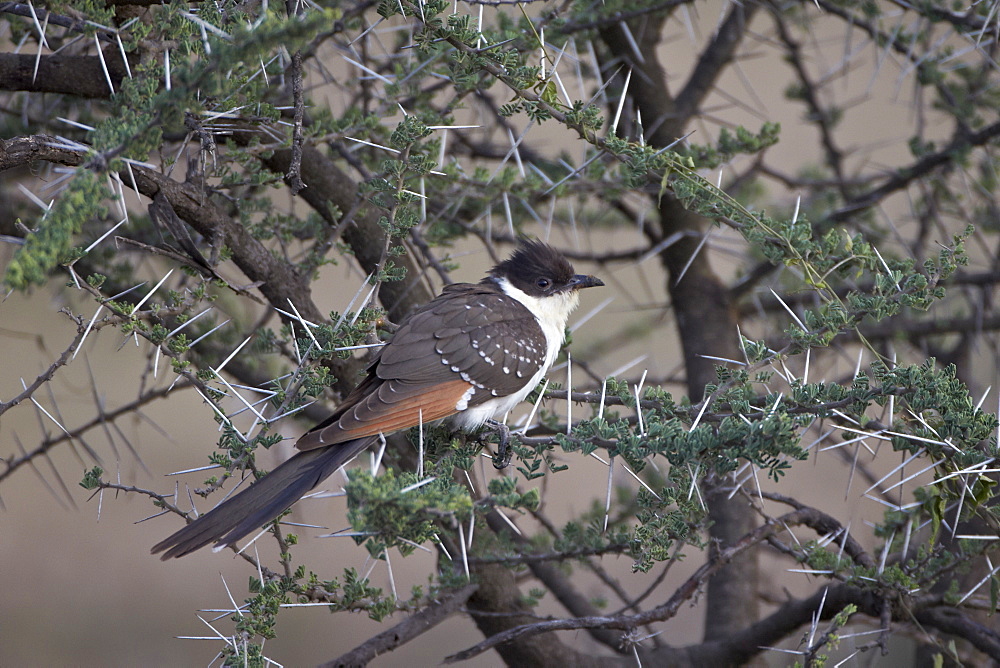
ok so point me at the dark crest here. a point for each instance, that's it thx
(536, 268)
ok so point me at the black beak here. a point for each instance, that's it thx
(581, 281)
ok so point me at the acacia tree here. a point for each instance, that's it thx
(179, 139)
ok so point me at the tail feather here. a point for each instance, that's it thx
(263, 501)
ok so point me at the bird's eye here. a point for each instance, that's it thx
(543, 283)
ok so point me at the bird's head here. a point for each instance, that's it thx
(541, 277)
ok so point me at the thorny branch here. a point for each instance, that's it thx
(666, 610)
(747, 643)
(294, 175)
(411, 627)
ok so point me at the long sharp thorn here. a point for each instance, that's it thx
(607, 500)
(420, 444)
(86, 332)
(790, 311)
(534, 408)
(208, 333)
(569, 392)
(461, 539)
(621, 104)
(604, 393)
(104, 65)
(377, 461)
(232, 354)
(392, 580)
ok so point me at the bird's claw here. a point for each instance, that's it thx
(503, 454)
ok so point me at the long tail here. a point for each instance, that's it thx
(262, 501)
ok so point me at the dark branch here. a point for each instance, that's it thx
(714, 57)
(955, 622)
(294, 175)
(82, 76)
(76, 25)
(658, 614)
(408, 629)
(922, 167)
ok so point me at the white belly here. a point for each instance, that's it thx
(472, 418)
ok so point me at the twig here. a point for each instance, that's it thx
(294, 175)
(416, 624)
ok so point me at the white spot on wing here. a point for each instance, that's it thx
(463, 403)
(551, 313)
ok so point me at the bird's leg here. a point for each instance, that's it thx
(502, 458)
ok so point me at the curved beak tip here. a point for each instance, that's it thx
(581, 281)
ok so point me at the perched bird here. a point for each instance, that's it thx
(472, 353)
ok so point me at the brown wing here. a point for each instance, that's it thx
(470, 344)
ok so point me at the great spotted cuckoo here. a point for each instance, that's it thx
(472, 353)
